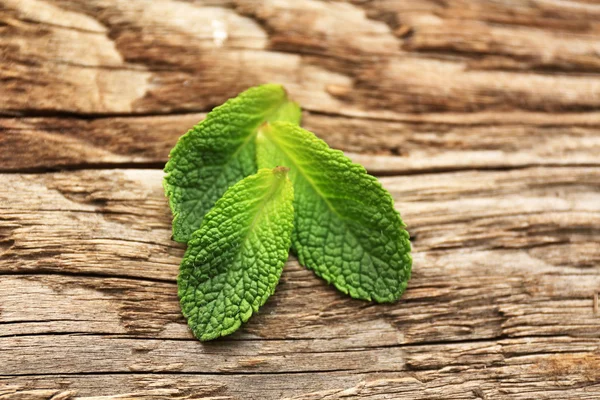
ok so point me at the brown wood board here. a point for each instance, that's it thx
(481, 117)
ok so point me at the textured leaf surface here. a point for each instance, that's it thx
(346, 228)
(219, 152)
(234, 261)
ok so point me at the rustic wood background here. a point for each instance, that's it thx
(482, 117)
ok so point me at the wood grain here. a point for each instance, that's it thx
(92, 248)
(384, 147)
(481, 117)
(162, 57)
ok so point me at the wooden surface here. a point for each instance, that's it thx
(481, 117)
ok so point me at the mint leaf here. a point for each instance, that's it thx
(218, 152)
(345, 228)
(234, 261)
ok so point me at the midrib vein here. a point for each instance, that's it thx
(301, 172)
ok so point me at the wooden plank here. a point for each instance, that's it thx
(530, 207)
(500, 366)
(507, 311)
(488, 110)
(505, 370)
(382, 146)
(166, 57)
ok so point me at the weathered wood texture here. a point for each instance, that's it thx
(481, 117)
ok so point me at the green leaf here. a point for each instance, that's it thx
(346, 228)
(234, 261)
(218, 152)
